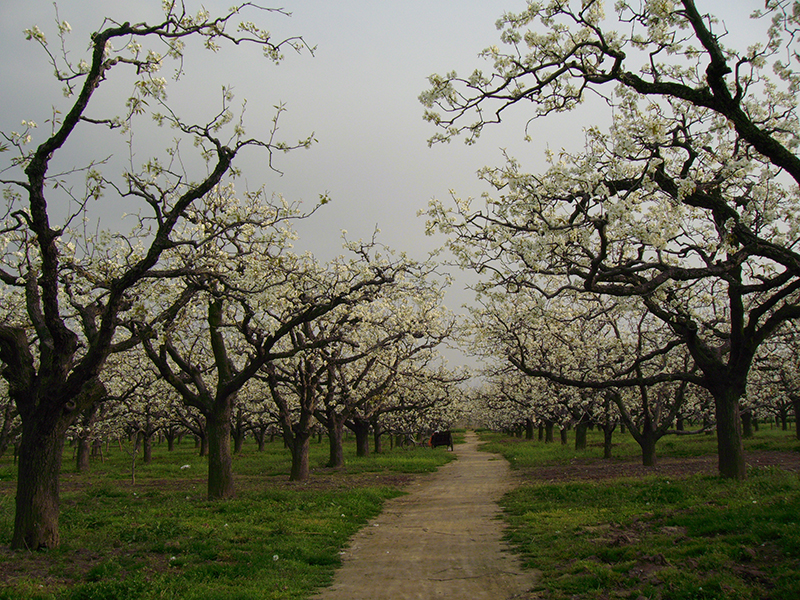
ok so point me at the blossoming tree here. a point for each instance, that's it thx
(689, 201)
(69, 286)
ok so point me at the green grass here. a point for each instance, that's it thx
(161, 538)
(652, 537)
(523, 454)
(657, 537)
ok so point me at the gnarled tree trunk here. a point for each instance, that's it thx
(38, 500)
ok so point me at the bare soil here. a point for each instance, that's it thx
(443, 539)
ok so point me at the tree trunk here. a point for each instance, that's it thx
(83, 451)
(541, 431)
(784, 415)
(169, 435)
(581, 430)
(377, 433)
(220, 459)
(563, 436)
(361, 428)
(729, 435)
(147, 448)
(529, 427)
(549, 426)
(608, 432)
(336, 441)
(41, 449)
(37, 503)
(238, 441)
(747, 425)
(300, 447)
(647, 442)
(260, 434)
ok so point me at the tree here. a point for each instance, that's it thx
(387, 341)
(254, 304)
(689, 203)
(72, 287)
(311, 372)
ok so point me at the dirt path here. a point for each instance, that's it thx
(441, 540)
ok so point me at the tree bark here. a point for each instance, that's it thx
(203, 444)
(377, 434)
(336, 441)
(38, 501)
(581, 430)
(147, 447)
(529, 428)
(260, 435)
(220, 459)
(41, 448)
(86, 420)
(170, 435)
(783, 413)
(300, 447)
(729, 434)
(747, 425)
(238, 441)
(361, 428)
(608, 432)
(83, 452)
(647, 442)
(549, 427)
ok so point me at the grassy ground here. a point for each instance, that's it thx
(161, 538)
(680, 533)
(675, 535)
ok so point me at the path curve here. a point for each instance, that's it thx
(441, 540)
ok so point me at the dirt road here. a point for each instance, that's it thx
(442, 540)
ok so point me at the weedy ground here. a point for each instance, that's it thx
(600, 529)
(161, 538)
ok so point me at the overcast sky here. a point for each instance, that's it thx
(358, 94)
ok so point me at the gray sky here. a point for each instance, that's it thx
(358, 94)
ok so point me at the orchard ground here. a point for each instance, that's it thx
(584, 527)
